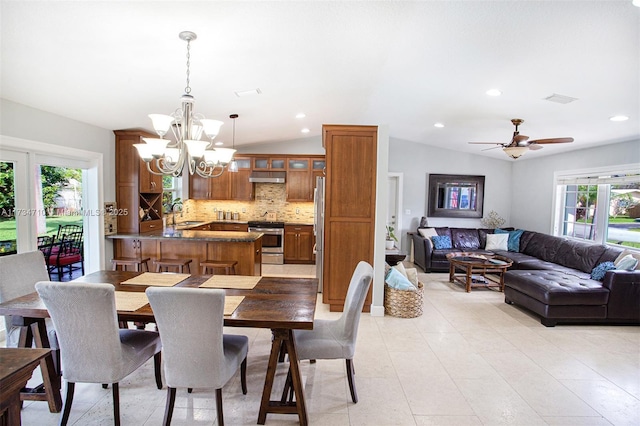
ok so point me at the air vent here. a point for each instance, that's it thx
(560, 99)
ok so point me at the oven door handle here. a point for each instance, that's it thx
(272, 230)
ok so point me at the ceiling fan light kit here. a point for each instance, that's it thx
(520, 143)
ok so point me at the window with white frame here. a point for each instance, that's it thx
(600, 205)
(171, 191)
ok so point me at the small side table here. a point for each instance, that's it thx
(394, 256)
(16, 368)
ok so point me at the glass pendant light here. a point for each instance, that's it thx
(233, 165)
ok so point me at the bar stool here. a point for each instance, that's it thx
(179, 264)
(228, 265)
(130, 261)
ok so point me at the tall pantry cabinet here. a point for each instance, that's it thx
(138, 192)
(350, 207)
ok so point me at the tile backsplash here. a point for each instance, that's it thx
(269, 198)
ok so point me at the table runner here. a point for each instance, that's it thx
(240, 282)
(157, 279)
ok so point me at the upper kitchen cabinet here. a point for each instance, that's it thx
(261, 162)
(241, 188)
(228, 186)
(138, 191)
(350, 207)
(301, 176)
(217, 188)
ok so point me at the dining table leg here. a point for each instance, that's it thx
(280, 337)
(35, 331)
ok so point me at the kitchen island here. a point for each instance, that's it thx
(197, 245)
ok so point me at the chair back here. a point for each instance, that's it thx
(87, 326)
(67, 229)
(45, 244)
(19, 274)
(190, 322)
(71, 249)
(354, 301)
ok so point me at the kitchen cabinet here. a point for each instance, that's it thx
(227, 186)
(241, 227)
(350, 200)
(241, 188)
(136, 248)
(269, 163)
(301, 176)
(138, 192)
(298, 244)
(217, 188)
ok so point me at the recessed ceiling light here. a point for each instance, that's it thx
(494, 92)
(219, 143)
(241, 93)
(305, 130)
(619, 118)
(440, 125)
(301, 115)
(636, 3)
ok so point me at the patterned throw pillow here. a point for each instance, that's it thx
(599, 271)
(627, 263)
(441, 242)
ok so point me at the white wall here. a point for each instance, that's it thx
(416, 161)
(310, 145)
(23, 122)
(532, 192)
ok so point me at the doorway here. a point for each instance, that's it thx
(394, 205)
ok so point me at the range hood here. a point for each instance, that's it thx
(267, 177)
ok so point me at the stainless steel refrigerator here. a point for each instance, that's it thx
(318, 227)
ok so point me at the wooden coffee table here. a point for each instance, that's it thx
(472, 265)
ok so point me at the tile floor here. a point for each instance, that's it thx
(470, 359)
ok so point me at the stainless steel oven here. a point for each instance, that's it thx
(272, 240)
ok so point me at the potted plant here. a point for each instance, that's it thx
(391, 238)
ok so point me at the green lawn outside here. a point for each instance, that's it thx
(8, 226)
(621, 219)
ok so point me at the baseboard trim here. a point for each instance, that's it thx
(377, 311)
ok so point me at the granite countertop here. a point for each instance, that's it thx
(185, 234)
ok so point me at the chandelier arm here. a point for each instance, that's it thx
(207, 172)
(151, 170)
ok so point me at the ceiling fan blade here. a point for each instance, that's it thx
(553, 140)
(535, 147)
(486, 143)
(488, 149)
(520, 138)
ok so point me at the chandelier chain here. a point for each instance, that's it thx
(187, 89)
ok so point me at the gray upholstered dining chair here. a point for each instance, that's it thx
(19, 274)
(92, 347)
(196, 353)
(336, 339)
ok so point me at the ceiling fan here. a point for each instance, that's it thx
(520, 143)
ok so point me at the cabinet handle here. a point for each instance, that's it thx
(152, 226)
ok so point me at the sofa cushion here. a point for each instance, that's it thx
(543, 246)
(557, 288)
(624, 254)
(427, 232)
(598, 272)
(497, 242)
(441, 242)
(465, 238)
(444, 231)
(578, 255)
(482, 235)
(516, 258)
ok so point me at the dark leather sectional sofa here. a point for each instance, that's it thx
(550, 276)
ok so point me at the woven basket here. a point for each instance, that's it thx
(403, 303)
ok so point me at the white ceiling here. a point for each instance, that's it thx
(404, 64)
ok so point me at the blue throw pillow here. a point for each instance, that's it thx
(513, 243)
(396, 280)
(598, 272)
(441, 242)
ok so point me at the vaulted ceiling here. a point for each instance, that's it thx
(404, 64)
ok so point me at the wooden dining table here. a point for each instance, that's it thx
(278, 303)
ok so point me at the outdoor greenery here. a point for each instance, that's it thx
(53, 180)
